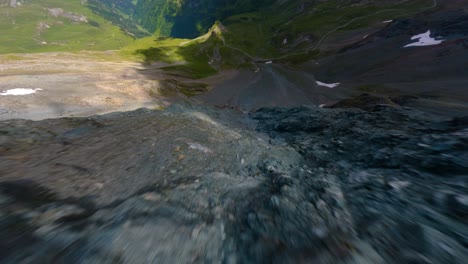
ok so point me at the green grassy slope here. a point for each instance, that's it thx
(192, 58)
(31, 28)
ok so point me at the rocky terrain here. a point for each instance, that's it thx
(292, 132)
(380, 62)
(195, 184)
(72, 85)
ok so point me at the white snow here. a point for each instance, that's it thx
(424, 39)
(329, 85)
(268, 62)
(20, 91)
(387, 21)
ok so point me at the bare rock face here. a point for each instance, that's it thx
(59, 12)
(55, 12)
(13, 3)
(401, 172)
(77, 18)
(193, 184)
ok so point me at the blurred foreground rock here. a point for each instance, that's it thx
(193, 184)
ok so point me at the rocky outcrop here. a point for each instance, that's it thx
(402, 175)
(197, 184)
(59, 12)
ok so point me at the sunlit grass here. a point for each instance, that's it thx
(20, 31)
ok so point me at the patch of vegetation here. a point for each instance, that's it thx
(32, 28)
(115, 11)
(194, 58)
(191, 56)
(151, 49)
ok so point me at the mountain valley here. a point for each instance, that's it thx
(233, 131)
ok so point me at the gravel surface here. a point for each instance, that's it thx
(194, 184)
(80, 84)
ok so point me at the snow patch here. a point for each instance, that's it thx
(268, 62)
(20, 91)
(424, 39)
(387, 21)
(329, 85)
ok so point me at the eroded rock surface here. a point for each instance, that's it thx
(194, 184)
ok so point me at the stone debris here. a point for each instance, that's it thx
(341, 186)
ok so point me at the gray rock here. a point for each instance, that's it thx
(345, 186)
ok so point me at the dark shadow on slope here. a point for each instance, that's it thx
(271, 85)
(182, 67)
(382, 65)
(195, 57)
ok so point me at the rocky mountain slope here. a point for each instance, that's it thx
(387, 65)
(229, 174)
(194, 184)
